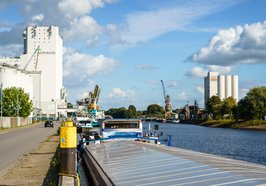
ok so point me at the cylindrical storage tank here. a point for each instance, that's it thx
(228, 86)
(30, 87)
(8, 77)
(221, 86)
(235, 87)
(24, 82)
(20, 79)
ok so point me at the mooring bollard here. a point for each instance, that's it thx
(68, 145)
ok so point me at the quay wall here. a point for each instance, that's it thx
(12, 122)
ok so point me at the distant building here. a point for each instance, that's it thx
(43, 62)
(223, 86)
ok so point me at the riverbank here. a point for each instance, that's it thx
(256, 124)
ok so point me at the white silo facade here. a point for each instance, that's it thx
(228, 86)
(210, 85)
(12, 77)
(8, 77)
(45, 46)
(221, 86)
(235, 87)
(224, 86)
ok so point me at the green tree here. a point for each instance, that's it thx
(213, 106)
(16, 102)
(132, 111)
(243, 110)
(227, 106)
(155, 110)
(117, 112)
(253, 105)
(257, 99)
(69, 105)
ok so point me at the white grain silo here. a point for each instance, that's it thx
(221, 86)
(210, 85)
(20, 79)
(12, 77)
(235, 87)
(228, 86)
(8, 77)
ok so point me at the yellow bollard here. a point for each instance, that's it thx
(68, 145)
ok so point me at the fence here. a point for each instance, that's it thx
(12, 122)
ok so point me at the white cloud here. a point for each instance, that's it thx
(39, 17)
(172, 83)
(85, 65)
(83, 28)
(202, 71)
(200, 90)
(182, 96)
(114, 34)
(11, 50)
(219, 69)
(242, 44)
(5, 26)
(75, 8)
(119, 93)
(146, 25)
(146, 67)
(197, 72)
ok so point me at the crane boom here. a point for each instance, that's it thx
(167, 101)
(163, 90)
(98, 95)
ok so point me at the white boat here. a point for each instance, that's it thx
(121, 128)
(176, 121)
(84, 122)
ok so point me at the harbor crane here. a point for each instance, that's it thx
(167, 101)
(94, 96)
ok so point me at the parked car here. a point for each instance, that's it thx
(49, 123)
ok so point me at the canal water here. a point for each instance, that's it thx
(247, 145)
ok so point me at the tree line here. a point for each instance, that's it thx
(153, 110)
(251, 107)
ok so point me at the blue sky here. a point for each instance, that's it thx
(127, 47)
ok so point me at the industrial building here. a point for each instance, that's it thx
(223, 86)
(42, 66)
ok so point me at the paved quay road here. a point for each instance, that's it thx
(17, 142)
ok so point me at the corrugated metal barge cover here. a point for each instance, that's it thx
(135, 163)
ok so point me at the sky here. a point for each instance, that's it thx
(128, 46)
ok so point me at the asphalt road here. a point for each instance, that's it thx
(17, 142)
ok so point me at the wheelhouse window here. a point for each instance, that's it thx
(121, 125)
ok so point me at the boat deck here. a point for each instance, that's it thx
(137, 163)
